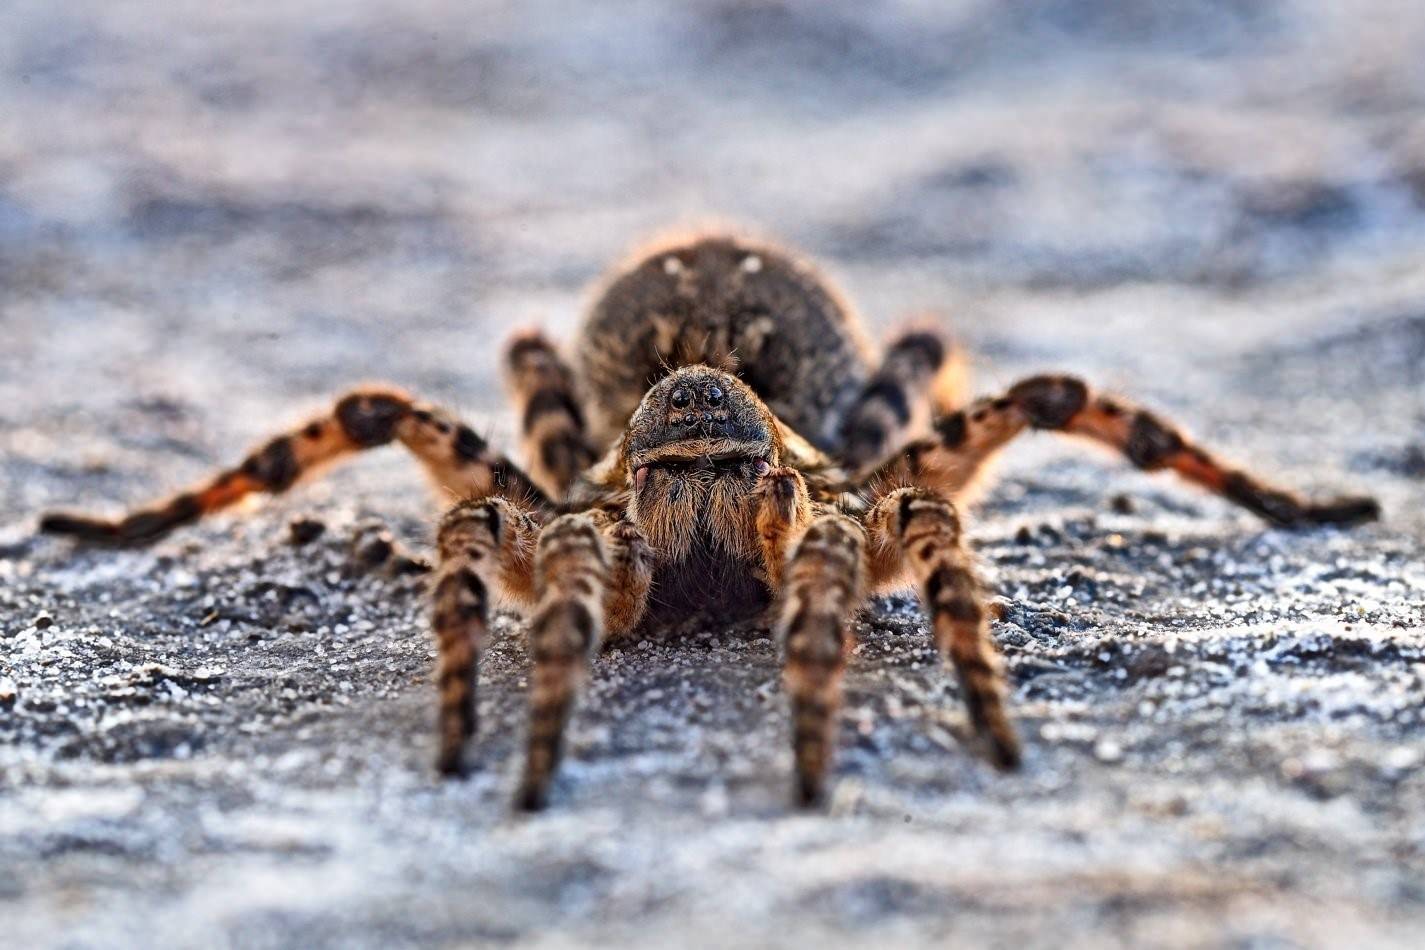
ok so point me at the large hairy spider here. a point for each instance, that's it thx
(724, 444)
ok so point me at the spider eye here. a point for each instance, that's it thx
(681, 398)
(713, 396)
(763, 466)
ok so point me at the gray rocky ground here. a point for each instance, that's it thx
(211, 220)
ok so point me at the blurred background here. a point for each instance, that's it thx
(266, 200)
(215, 217)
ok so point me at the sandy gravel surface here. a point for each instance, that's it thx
(213, 221)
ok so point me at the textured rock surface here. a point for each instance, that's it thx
(211, 222)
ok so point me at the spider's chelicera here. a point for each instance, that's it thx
(725, 443)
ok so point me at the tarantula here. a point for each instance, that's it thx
(724, 444)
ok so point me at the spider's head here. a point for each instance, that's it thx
(696, 449)
(700, 415)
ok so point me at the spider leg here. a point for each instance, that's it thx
(917, 531)
(485, 547)
(457, 460)
(572, 582)
(918, 368)
(824, 584)
(556, 447)
(488, 548)
(966, 439)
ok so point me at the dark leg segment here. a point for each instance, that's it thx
(571, 572)
(556, 446)
(485, 548)
(919, 531)
(458, 461)
(824, 586)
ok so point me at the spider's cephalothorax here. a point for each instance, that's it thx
(697, 448)
(726, 446)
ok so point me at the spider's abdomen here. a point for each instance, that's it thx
(747, 308)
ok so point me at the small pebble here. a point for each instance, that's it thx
(306, 530)
(376, 552)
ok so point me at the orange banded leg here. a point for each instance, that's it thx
(556, 447)
(965, 440)
(458, 461)
(571, 574)
(783, 510)
(1152, 444)
(958, 450)
(824, 585)
(918, 531)
(631, 561)
(486, 548)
